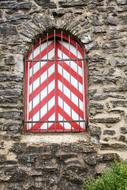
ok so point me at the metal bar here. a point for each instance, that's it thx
(62, 78)
(55, 77)
(47, 79)
(32, 76)
(61, 121)
(43, 60)
(78, 83)
(70, 81)
(40, 80)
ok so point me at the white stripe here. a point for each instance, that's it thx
(42, 78)
(48, 125)
(42, 95)
(70, 94)
(71, 48)
(68, 110)
(39, 49)
(44, 110)
(52, 118)
(70, 79)
(37, 66)
(71, 64)
(66, 125)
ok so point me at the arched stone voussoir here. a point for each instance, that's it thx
(39, 23)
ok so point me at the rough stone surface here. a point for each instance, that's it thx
(101, 26)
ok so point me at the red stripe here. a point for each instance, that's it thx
(71, 104)
(56, 127)
(41, 104)
(41, 71)
(67, 117)
(70, 71)
(71, 87)
(42, 54)
(69, 54)
(44, 118)
(41, 87)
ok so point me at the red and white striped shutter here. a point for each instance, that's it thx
(55, 88)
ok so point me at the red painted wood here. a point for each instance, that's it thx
(56, 92)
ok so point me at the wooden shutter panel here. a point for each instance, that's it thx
(55, 86)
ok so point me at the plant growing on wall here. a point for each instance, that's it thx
(113, 178)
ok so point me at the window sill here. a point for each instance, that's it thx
(55, 138)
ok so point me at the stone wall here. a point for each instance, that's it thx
(62, 161)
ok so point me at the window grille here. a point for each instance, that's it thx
(55, 85)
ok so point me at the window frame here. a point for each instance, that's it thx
(81, 49)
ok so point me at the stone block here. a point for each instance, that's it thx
(109, 132)
(46, 4)
(7, 30)
(105, 120)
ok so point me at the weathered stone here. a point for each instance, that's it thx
(3, 68)
(14, 5)
(63, 155)
(105, 120)
(18, 148)
(100, 27)
(90, 159)
(121, 2)
(109, 132)
(11, 127)
(10, 77)
(96, 105)
(119, 103)
(10, 115)
(9, 93)
(122, 138)
(85, 148)
(115, 146)
(123, 130)
(2, 158)
(46, 4)
(21, 5)
(113, 20)
(108, 157)
(94, 131)
(18, 176)
(70, 3)
(7, 30)
(17, 18)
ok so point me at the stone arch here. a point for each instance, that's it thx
(41, 23)
(81, 27)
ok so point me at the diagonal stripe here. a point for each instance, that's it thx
(56, 127)
(70, 86)
(41, 87)
(41, 71)
(37, 49)
(44, 118)
(69, 53)
(67, 117)
(74, 65)
(71, 104)
(42, 54)
(66, 125)
(71, 71)
(72, 48)
(41, 104)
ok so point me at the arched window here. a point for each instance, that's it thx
(55, 85)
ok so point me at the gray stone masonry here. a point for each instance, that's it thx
(40, 162)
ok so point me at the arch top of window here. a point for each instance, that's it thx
(56, 35)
